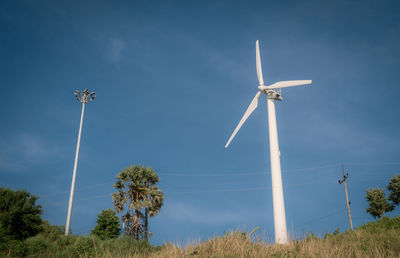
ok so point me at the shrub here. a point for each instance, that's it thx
(19, 215)
(52, 232)
(107, 225)
(84, 246)
(17, 248)
(384, 224)
(36, 244)
(4, 238)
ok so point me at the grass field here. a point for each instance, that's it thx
(375, 239)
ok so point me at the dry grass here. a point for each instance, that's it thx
(375, 239)
(349, 244)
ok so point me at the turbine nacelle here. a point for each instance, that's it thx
(270, 93)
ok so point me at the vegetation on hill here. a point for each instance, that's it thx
(375, 239)
(19, 215)
(108, 226)
(24, 234)
(378, 203)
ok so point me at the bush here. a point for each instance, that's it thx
(36, 244)
(107, 225)
(52, 232)
(381, 225)
(19, 215)
(84, 246)
(17, 248)
(4, 238)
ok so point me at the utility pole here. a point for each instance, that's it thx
(83, 97)
(345, 176)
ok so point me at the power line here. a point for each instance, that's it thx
(242, 174)
(320, 218)
(221, 175)
(193, 175)
(374, 164)
(201, 191)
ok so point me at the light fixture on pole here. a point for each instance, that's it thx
(277, 190)
(84, 97)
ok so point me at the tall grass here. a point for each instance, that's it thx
(349, 244)
(375, 239)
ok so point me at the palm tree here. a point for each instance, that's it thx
(137, 191)
(155, 197)
(132, 194)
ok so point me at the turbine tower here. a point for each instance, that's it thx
(276, 176)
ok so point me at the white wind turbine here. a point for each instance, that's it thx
(277, 190)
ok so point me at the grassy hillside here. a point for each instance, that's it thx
(375, 239)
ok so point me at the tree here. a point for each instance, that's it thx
(108, 226)
(378, 204)
(19, 215)
(155, 196)
(140, 197)
(132, 194)
(394, 189)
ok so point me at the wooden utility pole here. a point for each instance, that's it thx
(347, 197)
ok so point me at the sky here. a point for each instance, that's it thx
(173, 79)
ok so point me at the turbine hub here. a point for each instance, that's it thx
(271, 94)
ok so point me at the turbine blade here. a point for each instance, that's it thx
(253, 105)
(285, 84)
(258, 63)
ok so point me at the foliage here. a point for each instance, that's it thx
(17, 248)
(382, 225)
(375, 239)
(37, 244)
(138, 194)
(51, 231)
(107, 225)
(156, 197)
(78, 246)
(4, 237)
(84, 246)
(394, 189)
(19, 215)
(378, 204)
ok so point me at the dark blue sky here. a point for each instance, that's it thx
(172, 80)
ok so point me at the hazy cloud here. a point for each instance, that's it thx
(21, 151)
(115, 50)
(208, 216)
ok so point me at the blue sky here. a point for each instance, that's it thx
(172, 80)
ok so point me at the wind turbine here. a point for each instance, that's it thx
(276, 176)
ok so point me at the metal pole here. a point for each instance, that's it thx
(83, 97)
(276, 177)
(71, 196)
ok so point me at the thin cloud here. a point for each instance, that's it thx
(207, 216)
(19, 152)
(117, 46)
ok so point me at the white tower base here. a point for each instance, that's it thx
(276, 176)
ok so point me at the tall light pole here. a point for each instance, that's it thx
(83, 97)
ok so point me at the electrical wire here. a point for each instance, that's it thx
(320, 218)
